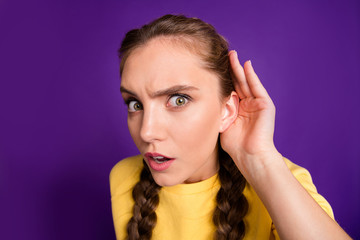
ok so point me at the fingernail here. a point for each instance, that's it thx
(236, 53)
(250, 62)
(232, 51)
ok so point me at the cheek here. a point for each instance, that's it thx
(134, 129)
(197, 128)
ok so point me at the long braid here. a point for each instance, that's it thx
(232, 205)
(145, 195)
(201, 39)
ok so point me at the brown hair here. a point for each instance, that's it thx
(201, 39)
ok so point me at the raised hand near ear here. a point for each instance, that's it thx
(251, 134)
(249, 141)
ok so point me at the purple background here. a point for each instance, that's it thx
(63, 122)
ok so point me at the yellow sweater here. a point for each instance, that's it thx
(185, 210)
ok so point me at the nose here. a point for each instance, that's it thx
(152, 126)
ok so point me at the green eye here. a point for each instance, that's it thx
(180, 101)
(177, 101)
(134, 106)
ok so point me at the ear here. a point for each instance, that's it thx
(229, 112)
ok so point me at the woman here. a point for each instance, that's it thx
(204, 126)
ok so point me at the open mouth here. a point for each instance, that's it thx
(158, 162)
(160, 159)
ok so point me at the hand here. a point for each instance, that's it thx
(251, 134)
(249, 141)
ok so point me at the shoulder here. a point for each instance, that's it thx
(123, 177)
(300, 173)
(125, 173)
(305, 179)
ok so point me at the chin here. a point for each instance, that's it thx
(165, 181)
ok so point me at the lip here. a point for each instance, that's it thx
(158, 166)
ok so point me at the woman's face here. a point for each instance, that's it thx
(174, 112)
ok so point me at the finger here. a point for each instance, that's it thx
(239, 80)
(237, 88)
(253, 81)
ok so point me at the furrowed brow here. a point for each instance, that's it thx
(164, 92)
(173, 89)
(124, 90)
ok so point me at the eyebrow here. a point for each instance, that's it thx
(124, 90)
(167, 91)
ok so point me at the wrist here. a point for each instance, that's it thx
(256, 167)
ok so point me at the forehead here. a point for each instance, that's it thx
(162, 63)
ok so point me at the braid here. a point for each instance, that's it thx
(228, 216)
(145, 195)
(232, 205)
(211, 48)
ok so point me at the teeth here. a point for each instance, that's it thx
(157, 161)
(160, 159)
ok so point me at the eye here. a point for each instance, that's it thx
(178, 100)
(134, 106)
